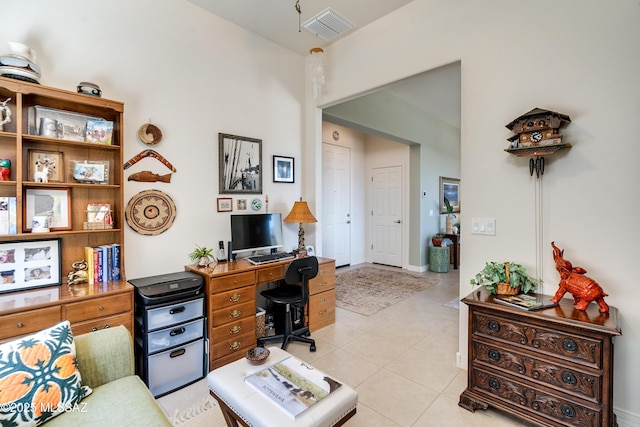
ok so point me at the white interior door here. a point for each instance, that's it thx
(336, 216)
(387, 215)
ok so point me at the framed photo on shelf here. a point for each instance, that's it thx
(54, 203)
(450, 188)
(225, 204)
(240, 164)
(45, 166)
(29, 264)
(91, 171)
(283, 169)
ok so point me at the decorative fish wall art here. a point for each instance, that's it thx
(148, 176)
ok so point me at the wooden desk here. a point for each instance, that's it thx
(455, 238)
(231, 303)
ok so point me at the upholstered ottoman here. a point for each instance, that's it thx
(243, 403)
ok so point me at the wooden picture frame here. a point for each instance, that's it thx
(55, 162)
(30, 264)
(283, 169)
(239, 164)
(52, 202)
(225, 204)
(450, 188)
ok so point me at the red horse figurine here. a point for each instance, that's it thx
(573, 280)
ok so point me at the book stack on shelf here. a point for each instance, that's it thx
(525, 301)
(103, 263)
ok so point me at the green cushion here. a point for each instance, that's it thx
(39, 378)
(123, 402)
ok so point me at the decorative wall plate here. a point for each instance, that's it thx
(150, 212)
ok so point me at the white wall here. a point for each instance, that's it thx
(192, 74)
(578, 57)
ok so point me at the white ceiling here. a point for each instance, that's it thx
(277, 20)
(436, 92)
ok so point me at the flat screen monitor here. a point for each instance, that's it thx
(253, 232)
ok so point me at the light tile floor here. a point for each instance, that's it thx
(402, 362)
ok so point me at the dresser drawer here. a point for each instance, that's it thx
(325, 280)
(234, 313)
(232, 297)
(233, 281)
(233, 345)
(549, 408)
(98, 307)
(562, 377)
(239, 327)
(553, 342)
(322, 310)
(27, 322)
(269, 274)
(103, 323)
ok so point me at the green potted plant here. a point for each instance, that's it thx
(505, 278)
(450, 216)
(202, 256)
(437, 239)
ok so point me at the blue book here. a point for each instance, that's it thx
(107, 262)
(101, 255)
(115, 255)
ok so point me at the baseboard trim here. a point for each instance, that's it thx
(626, 418)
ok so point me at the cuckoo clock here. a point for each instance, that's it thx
(537, 133)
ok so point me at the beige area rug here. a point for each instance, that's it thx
(367, 290)
(204, 414)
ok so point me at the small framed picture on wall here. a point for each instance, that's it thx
(283, 169)
(225, 204)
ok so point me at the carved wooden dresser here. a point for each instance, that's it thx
(550, 367)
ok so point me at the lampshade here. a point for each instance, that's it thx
(300, 213)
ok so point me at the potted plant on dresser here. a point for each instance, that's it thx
(202, 256)
(505, 278)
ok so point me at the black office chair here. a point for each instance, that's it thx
(301, 270)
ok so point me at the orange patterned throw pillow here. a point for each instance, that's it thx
(39, 377)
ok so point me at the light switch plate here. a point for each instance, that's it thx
(483, 226)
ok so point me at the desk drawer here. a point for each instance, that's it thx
(14, 325)
(233, 345)
(233, 297)
(269, 274)
(173, 314)
(98, 307)
(103, 323)
(325, 280)
(239, 327)
(233, 281)
(234, 313)
(322, 310)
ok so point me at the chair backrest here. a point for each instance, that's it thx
(301, 270)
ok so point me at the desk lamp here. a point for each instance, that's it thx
(301, 214)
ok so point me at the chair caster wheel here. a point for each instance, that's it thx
(312, 348)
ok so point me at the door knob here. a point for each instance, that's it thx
(397, 221)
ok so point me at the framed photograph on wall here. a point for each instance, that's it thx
(29, 264)
(240, 164)
(45, 166)
(53, 203)
(225, 204)
(449, 188)
(283, 169)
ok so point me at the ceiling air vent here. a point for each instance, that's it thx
(328, 24)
